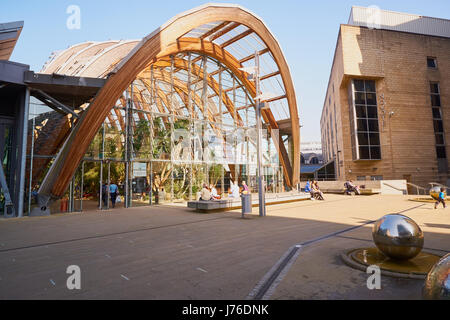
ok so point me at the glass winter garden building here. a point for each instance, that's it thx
(162, 115)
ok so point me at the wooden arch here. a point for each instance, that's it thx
(162, 42)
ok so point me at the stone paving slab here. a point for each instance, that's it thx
(173, 253)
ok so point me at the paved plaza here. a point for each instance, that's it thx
(168, 252)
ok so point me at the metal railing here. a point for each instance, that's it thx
(438, 184)
(417, 188)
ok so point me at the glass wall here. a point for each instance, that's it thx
(169, 133)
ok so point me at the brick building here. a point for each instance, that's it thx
(385, 114)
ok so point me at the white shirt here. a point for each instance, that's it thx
(235, 191)
(205, 194)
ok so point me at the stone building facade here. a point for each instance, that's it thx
(385, 114)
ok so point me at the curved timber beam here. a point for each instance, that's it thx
(160, 43)
(198, 73)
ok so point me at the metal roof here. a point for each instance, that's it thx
(310, 168)
(9, 33)
(373, 17)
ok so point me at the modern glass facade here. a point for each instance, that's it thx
(168, 133)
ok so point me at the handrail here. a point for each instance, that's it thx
(438, 184)
(417, 187)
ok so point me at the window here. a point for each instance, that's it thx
(431, 63)
(438, 124)
(376, 177)
(364, 120)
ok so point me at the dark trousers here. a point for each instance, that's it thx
(113, 199)
(105, 199)
(439, 201)
(317, 195)
(352, 189)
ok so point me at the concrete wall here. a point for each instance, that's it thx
(394, 187)
(386, 186)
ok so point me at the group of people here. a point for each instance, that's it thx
(210, 192)
(314, 190)
(113, 193)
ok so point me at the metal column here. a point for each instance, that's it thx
(172, 146)
(109, 183)
(222, 174)
(23, 153)
(152, 102)
(191, 125)
(81, 187)
(262, 203)
(101, 167)
(31, 166)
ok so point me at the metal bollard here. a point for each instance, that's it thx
(246, 201)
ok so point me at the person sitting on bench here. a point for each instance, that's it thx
(205, 194)
(307, 186)
(214, 194)
(350, 187)
(315, 191)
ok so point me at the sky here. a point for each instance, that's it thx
(306, 30)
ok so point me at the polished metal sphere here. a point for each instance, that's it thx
(437, 283)
(398, 236)
(434, 192)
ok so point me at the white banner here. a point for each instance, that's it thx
(139, 169)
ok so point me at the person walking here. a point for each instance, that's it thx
(440, 199)
(113, 191)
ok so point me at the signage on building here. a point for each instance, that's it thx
(139, 169)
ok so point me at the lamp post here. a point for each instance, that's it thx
(259, 106)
